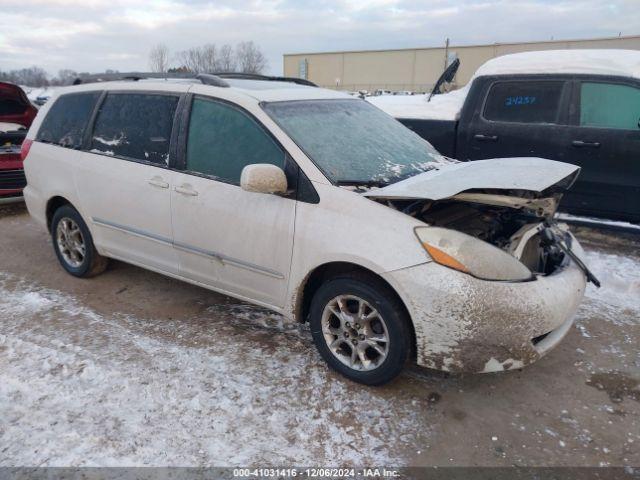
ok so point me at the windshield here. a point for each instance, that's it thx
(353, 142)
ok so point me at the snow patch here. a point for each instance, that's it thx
(446, 106)
(78, 388)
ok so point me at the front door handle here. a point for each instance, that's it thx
(581, 144)
(186, 190)
(485, 138)
(158, 182)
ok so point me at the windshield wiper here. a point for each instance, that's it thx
(362, 183)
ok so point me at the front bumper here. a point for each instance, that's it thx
(464, 324)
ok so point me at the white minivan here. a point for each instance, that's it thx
(316, 205)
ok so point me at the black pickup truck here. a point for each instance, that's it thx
(575, 106)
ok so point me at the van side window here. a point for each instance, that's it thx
(136, 126)
(223, 140)
(67, 119)
(524, 102)
(609, 105)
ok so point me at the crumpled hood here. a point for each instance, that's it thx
(525, 173)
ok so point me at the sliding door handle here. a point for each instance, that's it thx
(186, 190)
(485, 138)
(158, 182)
(581, 144)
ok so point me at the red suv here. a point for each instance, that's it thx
(16, 115)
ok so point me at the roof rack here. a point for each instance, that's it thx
(215, 79)
(205, 78)
(268, 78)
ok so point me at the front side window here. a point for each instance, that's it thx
(223, 140)
(524, 102)
(609, 105)
(352, 141)
(136, 126)
(67, 119)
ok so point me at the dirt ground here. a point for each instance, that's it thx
(132, 368)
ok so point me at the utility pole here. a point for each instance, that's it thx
(446, 53)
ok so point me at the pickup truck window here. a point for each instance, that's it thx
(67, 119)
(352, 141)
(610, 105)
(524, 102)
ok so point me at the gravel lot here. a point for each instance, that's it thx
(132, 368)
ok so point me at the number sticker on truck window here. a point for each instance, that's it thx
(519, 100)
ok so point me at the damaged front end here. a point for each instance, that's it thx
(512, 224)
(513, 278)
(506, 203)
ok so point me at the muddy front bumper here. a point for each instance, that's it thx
(464, 324)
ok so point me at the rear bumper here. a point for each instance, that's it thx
(464, 324)
(12, 178)
(5, 200)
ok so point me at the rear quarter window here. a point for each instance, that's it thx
(609, 105)
(67, 119)
(136, 126)
(524, 102)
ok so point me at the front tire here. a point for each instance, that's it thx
(360, 329)
(73, 244)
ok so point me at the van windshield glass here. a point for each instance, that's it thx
(353, 142)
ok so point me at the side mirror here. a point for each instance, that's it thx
(263, 178)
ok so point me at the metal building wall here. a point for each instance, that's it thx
(418, 69)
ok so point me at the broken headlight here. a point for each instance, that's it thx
(467, 254)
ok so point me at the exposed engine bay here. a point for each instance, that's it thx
(514, 228)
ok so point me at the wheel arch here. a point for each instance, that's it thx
(326, 271)
(53, 204)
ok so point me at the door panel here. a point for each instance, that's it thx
(519, 118)
(238, 241)
(605, 142)
(129, 206)
(124, 181)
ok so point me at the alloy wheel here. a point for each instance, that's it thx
(70, 242)
(355, 332)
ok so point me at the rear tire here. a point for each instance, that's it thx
(360, 328)
(73, 244)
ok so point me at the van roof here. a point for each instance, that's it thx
(267, 90)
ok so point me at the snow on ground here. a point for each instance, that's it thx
(78, 388)
(618, 299)
(445, 106)
(597, 222)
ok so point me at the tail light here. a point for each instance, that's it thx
(24, 150)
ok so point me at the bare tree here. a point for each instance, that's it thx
(202, 59)
(250, 58)
(226, 61)
(65, 77)
(31, 77)
(159, 58)
(247, 57)
(189, 60)
(208, 54)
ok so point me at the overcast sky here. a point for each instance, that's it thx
(94, 35)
